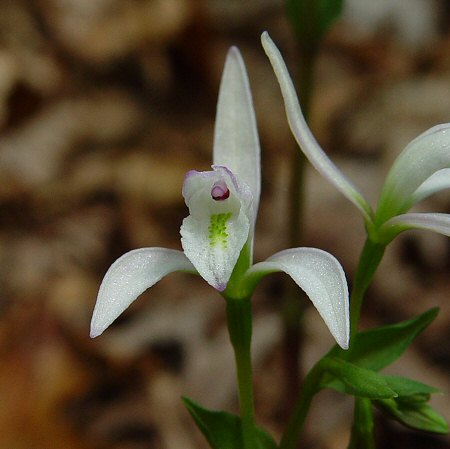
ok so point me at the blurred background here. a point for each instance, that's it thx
(104, 105)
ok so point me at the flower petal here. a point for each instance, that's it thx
(236, 142)
(439, 223)
(218, 226)
(424, 156)
(303, 134)
(128, 277)
(322, 278)
(435, 183)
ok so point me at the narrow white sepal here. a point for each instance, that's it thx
(236, 141)
(128, 277)
(303, 134)
(322, 278)
(435, 222)
(419, 161)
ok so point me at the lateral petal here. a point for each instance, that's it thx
(236, 141)
(303, 135)
(425, 155)
(128, 277)
(435, 183)
(322, 278)
(435, 222)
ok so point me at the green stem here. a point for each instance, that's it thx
(371, 255)
(293, 308)
(369, 260)
(294, 304)
(239, 317)
(304, 86)
(309, 389)
(362, 430)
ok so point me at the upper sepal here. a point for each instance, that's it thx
(218, 226)
(236, 141)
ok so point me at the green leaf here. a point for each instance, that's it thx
(223, 429)
(352, 379)
(410, 390)
(311, 19)
(377, 348)
(417, 415)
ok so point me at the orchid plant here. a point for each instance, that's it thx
(217, 241)
(422, 169)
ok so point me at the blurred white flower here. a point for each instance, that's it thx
(421, 169)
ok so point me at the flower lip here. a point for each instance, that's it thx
(218, 225)
(220, 191)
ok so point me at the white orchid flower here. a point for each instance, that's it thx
(217, 236)
(421, 169)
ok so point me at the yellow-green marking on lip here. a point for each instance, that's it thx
(218, 230)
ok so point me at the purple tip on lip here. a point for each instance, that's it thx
(221, 287)
(220, 191)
